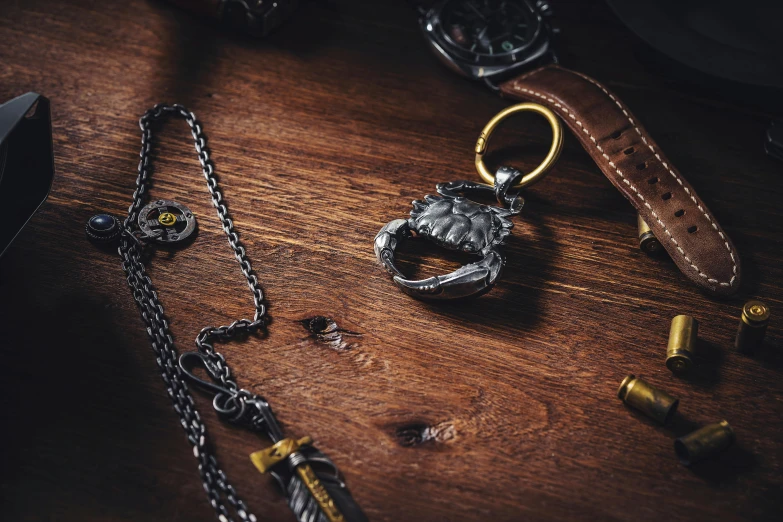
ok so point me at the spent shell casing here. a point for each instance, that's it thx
(704, 442)
(752, 326)
(655, 403)
(647, 240)
(681, 348)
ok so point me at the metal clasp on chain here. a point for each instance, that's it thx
(189, 361)
(238, 406)
(136, 237)
(227, 402)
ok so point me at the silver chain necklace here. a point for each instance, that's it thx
(308, 478)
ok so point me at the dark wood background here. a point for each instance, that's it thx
(503, 408)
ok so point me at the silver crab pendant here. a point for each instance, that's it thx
(454, 222)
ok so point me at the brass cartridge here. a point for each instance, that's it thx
(655, 403)
(647, 240)
(752, 326)
(704, 442)
(683, 335)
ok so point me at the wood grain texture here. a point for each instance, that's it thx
(502, 408)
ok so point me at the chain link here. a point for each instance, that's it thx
(220, 492)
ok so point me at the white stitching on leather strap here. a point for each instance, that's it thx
(666, 166)
(628, 182)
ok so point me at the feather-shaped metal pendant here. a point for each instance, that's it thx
(310, 482)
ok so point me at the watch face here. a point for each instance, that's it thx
(488, 27)
(482, 38)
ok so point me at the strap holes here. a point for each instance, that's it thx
(616, 135)
(628, 151)
(680, 213)
(666, 196)
(692, 229)
(641, 166)
(653, 181)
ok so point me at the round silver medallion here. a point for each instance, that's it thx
(167, 221)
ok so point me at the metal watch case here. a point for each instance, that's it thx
(476, 65)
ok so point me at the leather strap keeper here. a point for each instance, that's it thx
(634, 163)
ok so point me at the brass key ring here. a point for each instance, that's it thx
(551, 157)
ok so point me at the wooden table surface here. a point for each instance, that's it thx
(503, 408)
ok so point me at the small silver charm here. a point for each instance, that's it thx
(166, 221)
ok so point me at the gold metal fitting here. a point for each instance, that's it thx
(655, 403)
(539, 172)
(704, 442)
(267, 458)
(683, 336)
(167, 219)
(648, 243)
(316, 487)
(752, 326)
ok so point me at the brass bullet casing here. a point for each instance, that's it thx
(752, 326)
(647, 240)
(704, 442)
(683, 335)
(655, 403)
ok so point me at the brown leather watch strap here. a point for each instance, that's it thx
(634, 164)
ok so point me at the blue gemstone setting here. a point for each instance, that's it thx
(102, 223)
(103, 228)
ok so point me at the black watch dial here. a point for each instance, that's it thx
(488, 28)
(483, 38)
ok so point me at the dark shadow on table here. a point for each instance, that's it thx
(196, 44)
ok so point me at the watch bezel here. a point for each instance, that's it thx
(465, 62)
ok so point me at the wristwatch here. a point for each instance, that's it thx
(507, 45)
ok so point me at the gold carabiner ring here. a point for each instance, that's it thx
(540, 171)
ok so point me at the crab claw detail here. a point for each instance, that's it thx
(470, 280)
(386, 242)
